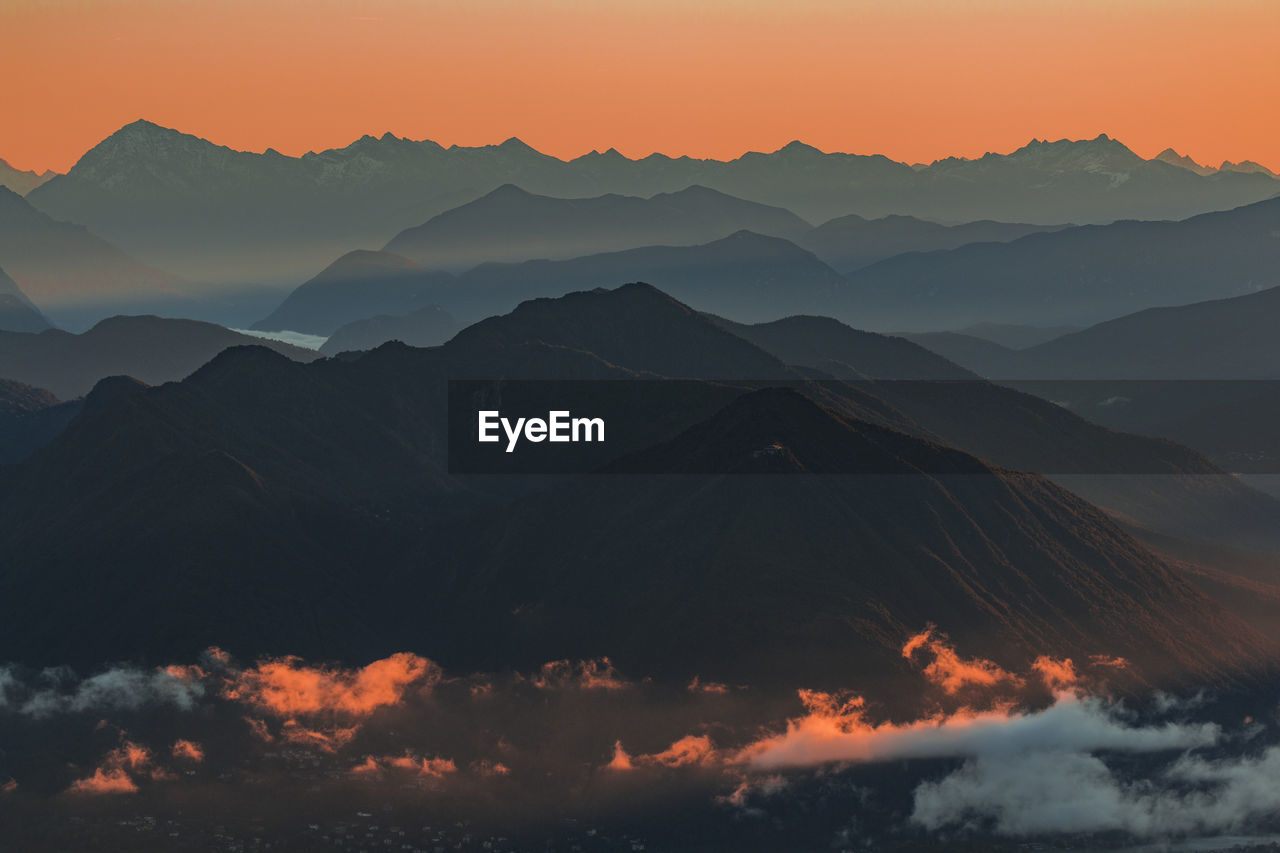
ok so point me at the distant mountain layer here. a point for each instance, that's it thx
(273, 506)
(213, 214)
(1079, 276)
(22, 182)
(426, 327)
(151, 349)
(73, 274)
(852, 242)
(1231, 338)
(512, 225)
(744, 276)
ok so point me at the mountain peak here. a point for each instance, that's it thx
(795, 146)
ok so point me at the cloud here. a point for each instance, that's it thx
(1052, 791)
(950, 671)
(596, 674)
(186, 750)
(288, 687)
(120, 770)
(57, 691)
(426, 768)
(835, 731)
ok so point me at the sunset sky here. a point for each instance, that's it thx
(913, 79)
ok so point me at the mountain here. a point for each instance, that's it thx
(744, 276)
(74, 275)
(151, 349)
(1247, 167)
(22, 182)
(17, 314)
(511, 225)
(851, 242)
(778, 542)
(359, 285)
(1077, 276)
(273, 506)
(426, 327)
(212, 214)
(844, 352)
(1173, 158)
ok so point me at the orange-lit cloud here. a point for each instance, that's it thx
(187, 750)
(287, 686)
(118, 771)
(427, 768)
(914, 80)
(950, 671)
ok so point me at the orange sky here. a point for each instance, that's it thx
(913, 79)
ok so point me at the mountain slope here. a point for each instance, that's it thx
(425, 327)
(74, 275)
(851, 242)
(17, 314)
(510, 225)
(758, 568)
(844, 352)
(1081, 275)
(151, 349)
(359, 285)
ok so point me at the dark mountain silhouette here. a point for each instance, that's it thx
(510, 225)
(74, 275)
(844, 352)
(22, 182)
(851, 242)
(357, 286)
(757, 569)
(1081, 275)
(273, 506)
(152, 349)
(17, 314)
(745, 277)
(213, 214)
(426, 327)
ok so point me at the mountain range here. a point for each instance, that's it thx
(425, 327)
(280, 507)
(1080, 276)
(510, 225)
(150, 349)
(209, 213)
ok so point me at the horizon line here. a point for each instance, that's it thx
(631, 158)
